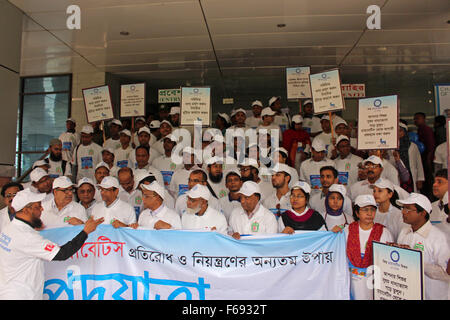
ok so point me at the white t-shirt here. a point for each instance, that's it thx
(211, 218)
(112, 143)
(262, 221)
(228, 206)
(272, 200)
(312, 125)
(392, 220)
(4, 218)
(69, 142)
(118, 210)
(364, 187)
(437, 215)
(121, 156)
(52, 217)
(219, 188)
(348, 169)
(253, 122)
(332, 221)
(167, 167)
(282, 121)
(310, 172)
(87, 158)
(134, 199)
(434, 246)
(148, 218)
(179, 182)
(22, 254)
(56, 170)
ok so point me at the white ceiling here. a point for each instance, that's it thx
(169, 41)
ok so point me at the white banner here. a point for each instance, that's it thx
(132, 100)
(169, 264)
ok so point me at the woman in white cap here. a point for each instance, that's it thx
(360, 235)
(301, 216)
(199, 215)
(422, 235)
(388, 213)
(334, 214)
(156, 214)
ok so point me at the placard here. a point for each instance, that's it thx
(97, 102)
(356, 90)
(442, 99)
(297, 82)
(195, 105)
(398, 273)
(378, 123)
(132, 100)
(326, 91)
(169, 95)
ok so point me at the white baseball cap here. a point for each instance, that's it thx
(155, 187)
(414, 198)
(238, 110)
(71, 120)
(85, 180)
(384, 184)
(267, 112)
(340, 121)
(199, 191)
(87, 129)
(232, 171)
(24, 197)
(273, 99)
(257, 103)
(175, 110)
(225, 117)
(39, 163)
(110, 150)
(144, 129)
(325, 117)
(280, 167)
(297, 119)
(37, 174)
(341, 138)
(109, 182)
(404, 126)
(126, 132)
(62, 182)
(249, 187)
(101, 164)
(365, 200)
(281, 149)
(165, 121)
(374, 160)
(302, 185)
(338, 188)
(139, 119)
(116, 122)
(249, 162)
(155, 124)
(318, 145)
(307, 101)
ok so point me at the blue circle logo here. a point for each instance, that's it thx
(195, 90)
(395, 256)
(324, 75)
(298, 70)
(377, 103)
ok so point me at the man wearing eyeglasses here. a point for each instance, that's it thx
(62, 210)
(86, 194)
(9, 191)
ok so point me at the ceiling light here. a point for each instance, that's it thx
(124, 33)
(281, 25)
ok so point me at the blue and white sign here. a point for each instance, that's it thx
(132, 100)
(378, 123)
(116, 264)
(442, 99)
(195, 106)
(326, 91)
(297, 83)
(97, 102)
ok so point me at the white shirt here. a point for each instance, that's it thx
(228, 206)
(348, 169)
(134, 199)
(312, 125)
(262, 221)
(179, 182)
(317, 202)
(210, 218)
(87, 158)
(310, 172)
(112, 143)
(440, 155)
(167, 168)
(180, 204)
(121, 156)
(52, 217)
(390, 172)
(282, 120)
(437, 215)
(148, 218)
(22, 254)
(434, 246)
(118, 210)
(332, 221)
(253, 122)
(219, 188)
(4, 218)
(392, 220)
(364, 187)
(415, 163)
(272, 200)
(56, 170)
(69, 142)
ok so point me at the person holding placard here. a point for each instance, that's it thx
(311, 123)
(346, 162)
(360, 235)
(422, 235)
(86, 155)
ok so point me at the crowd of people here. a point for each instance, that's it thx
(305, 175)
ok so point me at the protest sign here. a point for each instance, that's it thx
(195, 106)
(442, 99)
(326, 91)
(297, 82)
(132, 100)
(97, 102)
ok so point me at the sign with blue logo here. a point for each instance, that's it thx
(326, 91)
(398, 273)
(378, 123)
(132, 100)
(195, 106)
(297, 83)
(97, 102)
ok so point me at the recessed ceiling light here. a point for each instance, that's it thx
(281, 25)
(124, 33)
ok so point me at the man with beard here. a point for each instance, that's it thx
(250, 172)
(23, 250)
(279, 201)
(199, 215)
(215, 177)
(57, 165)
(232, 201)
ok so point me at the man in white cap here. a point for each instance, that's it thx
(128, 190)
(142, 157)
(116, 212)
(310, 168)
(311, 123)
(255, 120)
(281, 119)
(240, 116)
(325, 136)
(250, 172)
(164, 163)
(252, 217)
(86, 155)
(122, 154)
(145, 177)
(108, 157)
(113, 142)
(62, 210)
(232, 201)
(346, 162)
(281, 155)
(86, 194)
(199, 215)
(165, 129)
(144, 141)
(423, 236)
(374, 167)
(175, 116)
(155, 135)
(23, 250)
(179, 182)
(156, 214)
(279, 201)
(268, 116)
(41, 182)
(70, 139)
(57, 165)
(101, 171)
(196, 176)
(389, 171)
(215, 176)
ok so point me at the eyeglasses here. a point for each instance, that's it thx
(10, 195)
(371, 166)
(368, 209)
(68, 190)
(297, 196)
